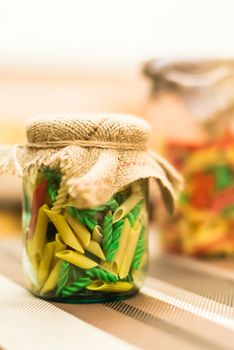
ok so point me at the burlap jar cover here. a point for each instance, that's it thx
(96, 154)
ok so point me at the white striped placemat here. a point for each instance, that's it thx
(183, 305)
(29, 323)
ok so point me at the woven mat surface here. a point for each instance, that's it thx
(184, 304)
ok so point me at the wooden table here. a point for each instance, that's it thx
(184, 304)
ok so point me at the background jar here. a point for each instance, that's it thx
(192, 107)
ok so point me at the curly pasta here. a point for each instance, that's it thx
(61, 198)
(107, 232)
(63, 276)
(89, 222)
(83, 217)
(115, 241)
(76, 286)
(54, 179)
(97, 273)
(112, 204)
(134, 213)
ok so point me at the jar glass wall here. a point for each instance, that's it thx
(83, 255)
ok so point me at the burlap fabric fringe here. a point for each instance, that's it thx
(97, 155)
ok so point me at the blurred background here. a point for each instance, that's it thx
(70, 56)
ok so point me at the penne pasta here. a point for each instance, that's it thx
(76, 258)
(39, 237)
(46, 262)
(79, 229)
(129, 253)
(34, 258)
(143, 217)
(123, 241)
(110, 287)
(127, 206)
(64, 230)
(95, 249)
(51, 281)
(97, 235)
(109, 267)
(31, 270)
(59, 244)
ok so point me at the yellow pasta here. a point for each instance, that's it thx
(131, 247)
(95, 249)
(127, 206)
(59, 244)
(31, 270)
(51, 281)
(46, 261)
(96, 235)
(80, 230)
(143, 216)
(110, 287)
(109, 267)
(77, 259)
(34, 258)
(64, 230)
(39, 236)
(125, 232)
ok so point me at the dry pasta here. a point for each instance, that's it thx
(61, 198)
(143, 217)
(77, 259)
(39, 236)
(109, 267)
(34, 258)
(59, 244)
(51, 281)
(46, 261)
(65, 231)
(84, 252)
(97, 235)
(127, 206)
(32, 269)
(131, 247)
(125, 232)
(110, 287)
(95, 249)
(79, 229)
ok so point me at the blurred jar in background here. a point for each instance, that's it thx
(192, 107)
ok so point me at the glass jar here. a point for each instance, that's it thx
(85, 207)
(84, 255)
(193, 104)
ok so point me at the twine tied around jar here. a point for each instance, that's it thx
(97, 154)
